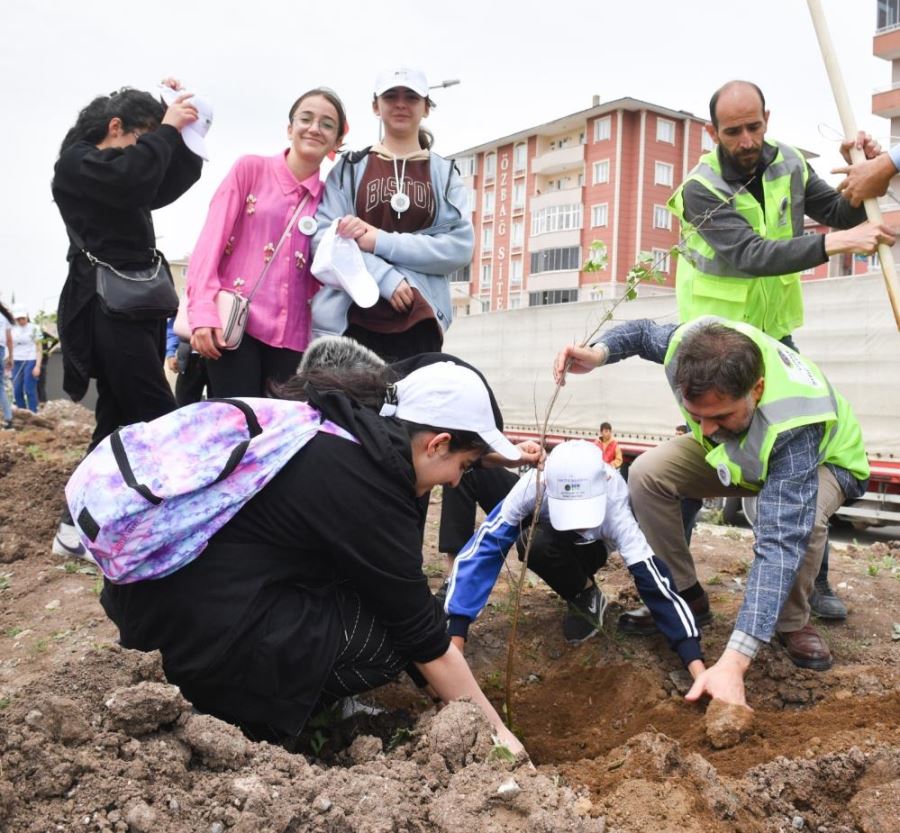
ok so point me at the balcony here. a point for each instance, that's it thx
(887, 103)
(564, 196)
(886, 44)
(557, 161)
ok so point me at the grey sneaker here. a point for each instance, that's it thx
(825, 602)
(585, 615)
(67, 544)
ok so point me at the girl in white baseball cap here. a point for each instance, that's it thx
(314, 591)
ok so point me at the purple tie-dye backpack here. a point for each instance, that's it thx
(148, 498)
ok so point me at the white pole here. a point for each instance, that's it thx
(873, 212)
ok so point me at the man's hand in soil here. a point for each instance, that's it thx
(724, 681)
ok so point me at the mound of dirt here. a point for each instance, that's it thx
(93, 738)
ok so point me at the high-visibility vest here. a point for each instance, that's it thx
(796, 393)
(706, 284)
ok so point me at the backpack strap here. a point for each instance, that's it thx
(237, 453)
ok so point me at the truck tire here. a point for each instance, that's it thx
(748, 506)
(731, 513)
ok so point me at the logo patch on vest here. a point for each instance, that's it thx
(797, 369)
(724, 474)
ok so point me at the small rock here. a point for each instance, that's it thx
(217, 827)
(509, 789)
(727, 723)
(52, 605)
(797, 822)
(322, 804)
(141, 818)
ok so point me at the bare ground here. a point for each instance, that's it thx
(92, 739)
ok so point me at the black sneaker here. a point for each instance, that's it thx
(641, 622)
(585, 615)
(825, 602)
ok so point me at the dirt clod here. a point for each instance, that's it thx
(727, 724)
(219, 745)
(143, 708)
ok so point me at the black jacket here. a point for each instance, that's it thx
(105, 197)
(251, 628)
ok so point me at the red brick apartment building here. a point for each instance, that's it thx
(539, 197)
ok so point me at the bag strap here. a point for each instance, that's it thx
(76, 238)
(237, 453)
(284, 235)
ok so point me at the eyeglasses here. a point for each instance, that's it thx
(306, 120)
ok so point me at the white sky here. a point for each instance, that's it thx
(520, 63)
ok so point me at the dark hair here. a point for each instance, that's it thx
(368, 387)
(329, 95)
(604, 425)
(715, 357)
(713, 102)
(4, 311)
(682, 429)
(135, 108)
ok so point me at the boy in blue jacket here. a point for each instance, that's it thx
(584, 511)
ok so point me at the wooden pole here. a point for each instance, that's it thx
(873, 212)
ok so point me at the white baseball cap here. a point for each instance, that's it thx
(575, 480)
(412, 79)
(194, 135)
(339, 263)
(448, 395)
(20, 312)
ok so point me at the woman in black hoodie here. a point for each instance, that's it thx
(315, 591)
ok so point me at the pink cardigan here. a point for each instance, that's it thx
(246, 218)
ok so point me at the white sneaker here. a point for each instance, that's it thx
(67, 543)
(352, 706)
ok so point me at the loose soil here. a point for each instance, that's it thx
(92, 738)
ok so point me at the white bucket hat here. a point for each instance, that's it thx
(194, 135)
(576, 479)
(338, 262)
(448, 395)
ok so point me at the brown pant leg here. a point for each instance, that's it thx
(657, 481)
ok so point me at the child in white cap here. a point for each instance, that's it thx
(583, 513)
(314, 591)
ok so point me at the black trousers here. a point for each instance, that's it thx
(192, 378)
(248, 370)
(128, 365)
(562, 559)
(484, 487)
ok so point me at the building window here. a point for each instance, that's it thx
(490, 166)
(515, 301)
(665, 131)
(706, 141)
(601, 172)
(518, 195)
(552, 296)
(888, 14)
(463, 275)
(599, 215)
(664, 174)
(485, 279)
(472, 195)
(517, 234)
(556, 260)
(515, 270)
(556, 218)
(487, 238)
(466, 165)
(602, 129)
(488, 203)
(661, 217)
(661, 261)
(520, 157)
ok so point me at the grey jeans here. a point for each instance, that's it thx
(676, 469)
